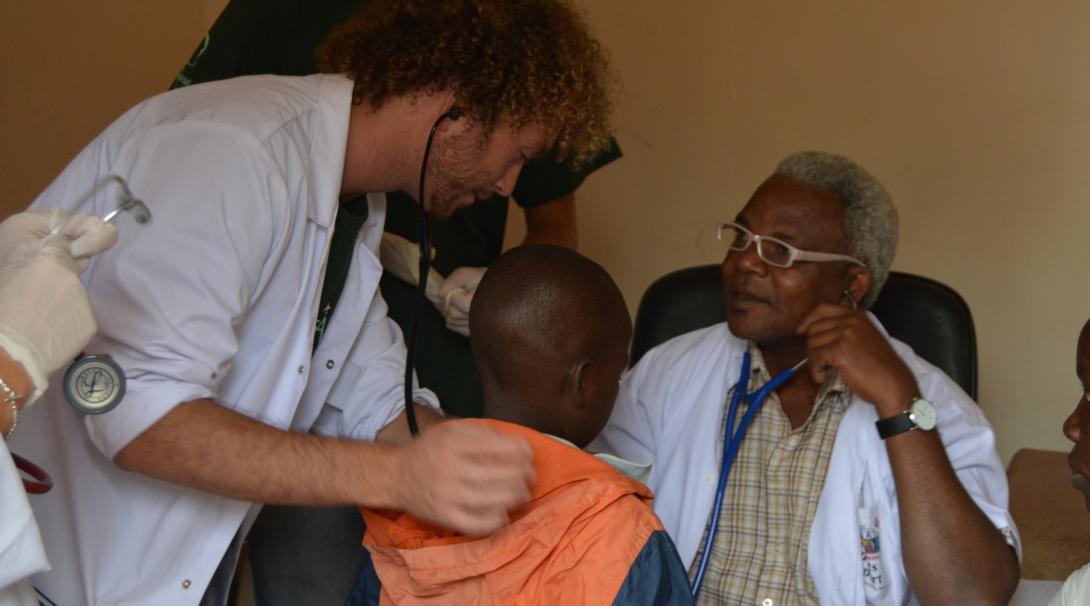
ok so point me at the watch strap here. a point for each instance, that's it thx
(897, 424)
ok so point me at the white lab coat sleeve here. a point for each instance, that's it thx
(633, 424)
(369, 393)
(21, 550)
(970, 445)
(1075, 591)
(170, 296)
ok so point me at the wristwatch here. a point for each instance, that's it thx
(920, 415)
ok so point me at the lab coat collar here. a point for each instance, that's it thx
(328, 148)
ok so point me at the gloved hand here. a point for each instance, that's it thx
(27, 231)
(457, 294)
(401, 258)
(45, 316)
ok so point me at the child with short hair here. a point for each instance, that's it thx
(550, 333)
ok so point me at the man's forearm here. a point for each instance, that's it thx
(953, 554)
(205, 446)
(952, 551)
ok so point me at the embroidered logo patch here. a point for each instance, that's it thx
(871, 549)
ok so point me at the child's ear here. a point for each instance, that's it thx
(577, 384)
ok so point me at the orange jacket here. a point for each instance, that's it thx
(573, 543)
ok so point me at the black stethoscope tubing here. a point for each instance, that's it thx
(423, 237)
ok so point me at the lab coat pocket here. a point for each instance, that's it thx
(338, 401)
(345, 385)
(876, 581)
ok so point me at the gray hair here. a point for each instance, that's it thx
(870, 219)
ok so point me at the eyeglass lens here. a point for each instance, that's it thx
(771, 250)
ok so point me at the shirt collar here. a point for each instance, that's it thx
(833, 390)
(630, 469)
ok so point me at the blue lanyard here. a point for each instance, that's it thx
(732, 441)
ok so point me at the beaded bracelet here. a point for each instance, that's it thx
(11, 398)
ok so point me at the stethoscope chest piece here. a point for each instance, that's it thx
(94, 384)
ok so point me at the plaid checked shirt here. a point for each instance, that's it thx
(759, 554)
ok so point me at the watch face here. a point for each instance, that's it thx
(94, 384)
(923, 414)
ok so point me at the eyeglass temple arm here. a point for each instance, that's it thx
(806, 255)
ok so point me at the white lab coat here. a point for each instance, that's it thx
(670, 409)
(1075, 591)
(21, 551)
(215, 298)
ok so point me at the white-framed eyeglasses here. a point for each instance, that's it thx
(773, 251)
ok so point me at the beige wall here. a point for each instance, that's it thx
(973, 114)
(68, 68)
(976, 115)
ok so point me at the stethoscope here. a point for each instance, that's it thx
(35, 479)
(732, 441)
(423, 238)
(93, 384)
(127, 203)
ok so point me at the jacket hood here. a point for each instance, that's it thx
(572, 486)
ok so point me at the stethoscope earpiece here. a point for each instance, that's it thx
(851, 299)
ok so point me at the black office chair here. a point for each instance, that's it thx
(927, 315)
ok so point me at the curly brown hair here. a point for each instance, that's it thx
(521, 61)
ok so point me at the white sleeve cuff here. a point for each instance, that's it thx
(140, 409)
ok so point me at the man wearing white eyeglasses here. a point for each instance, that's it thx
(866, 477)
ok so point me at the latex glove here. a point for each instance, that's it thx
(88, 235)
(457, 294)
(45, 315)
(401, 258)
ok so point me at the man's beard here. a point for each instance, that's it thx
(455, 172)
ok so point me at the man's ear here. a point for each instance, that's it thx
(447, 99)
(577, 384)
(858, 284)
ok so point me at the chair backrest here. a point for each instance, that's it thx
(929, 316)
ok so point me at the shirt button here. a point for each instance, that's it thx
(708, 480)
(301, 370)
(186, 584)
(330, 364)
(767, 602)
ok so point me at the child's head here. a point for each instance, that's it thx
(550, 334)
